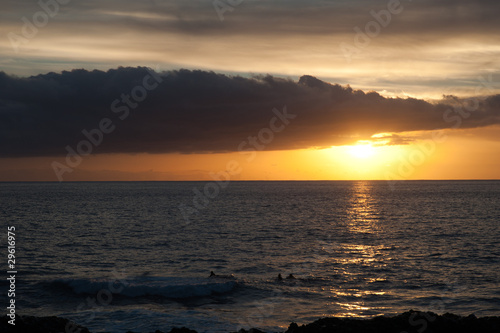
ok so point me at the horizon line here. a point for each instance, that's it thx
(241, 181)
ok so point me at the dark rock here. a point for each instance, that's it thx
(182, 330)
(255, 330)
(25, 324)
(293, 327)
(409, 322)
(252, 330)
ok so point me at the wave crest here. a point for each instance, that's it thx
(169, 287)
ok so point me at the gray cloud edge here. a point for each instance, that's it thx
(194, 111)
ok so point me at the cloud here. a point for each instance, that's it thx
(279, 17)
(388, 139)
(203, 112)
(431, 43)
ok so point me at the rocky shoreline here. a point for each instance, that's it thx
(408, 322)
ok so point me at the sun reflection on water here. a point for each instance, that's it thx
(363, 219)
(362, 212)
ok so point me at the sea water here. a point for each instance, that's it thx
(119, 256)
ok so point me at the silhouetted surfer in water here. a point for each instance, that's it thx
(213, 275)
(289, 277)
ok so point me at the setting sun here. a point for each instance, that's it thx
(362, 150)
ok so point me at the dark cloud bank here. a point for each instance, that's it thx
(197, 111)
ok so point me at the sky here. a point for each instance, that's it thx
(249, 90)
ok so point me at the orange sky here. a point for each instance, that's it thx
(453, 157)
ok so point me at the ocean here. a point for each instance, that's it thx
(119, 256)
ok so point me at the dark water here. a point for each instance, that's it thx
(121, 256)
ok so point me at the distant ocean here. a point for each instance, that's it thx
(123, 256)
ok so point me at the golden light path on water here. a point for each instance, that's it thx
(362, 218)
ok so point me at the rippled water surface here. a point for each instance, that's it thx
(123, 256)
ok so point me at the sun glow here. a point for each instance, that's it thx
(362, 160)
(362, 150)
